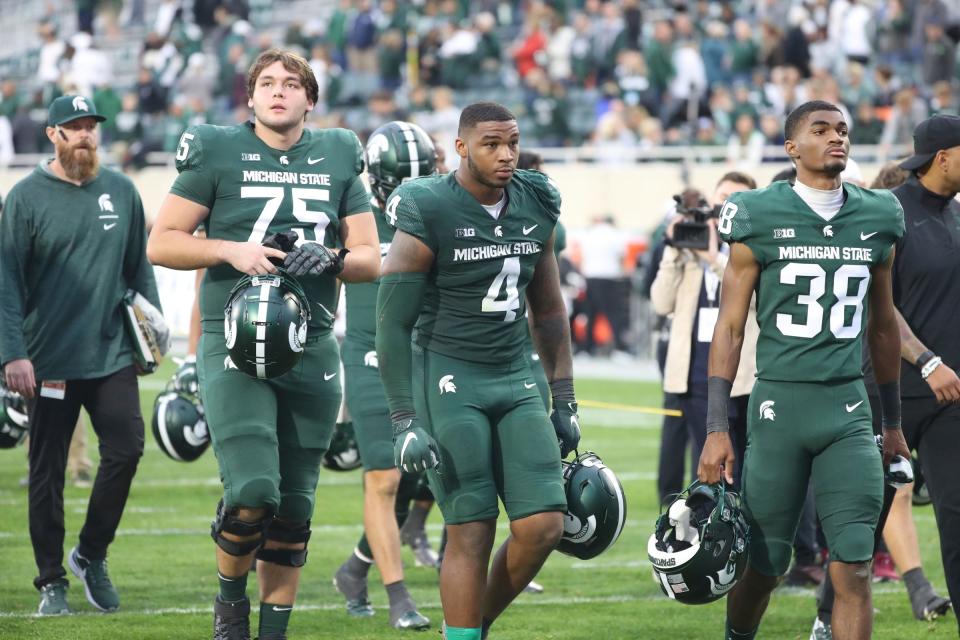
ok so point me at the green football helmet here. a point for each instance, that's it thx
(343, 454)
(699, 547)
(14, 423)
(596, 507)
(179, 426)
(396, 152)
(265, 324)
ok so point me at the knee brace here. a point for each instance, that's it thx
(227, 521)
(289, 532)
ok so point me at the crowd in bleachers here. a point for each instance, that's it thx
(624, 74)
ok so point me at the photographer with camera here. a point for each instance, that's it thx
(688, 287)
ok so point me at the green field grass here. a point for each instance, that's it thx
(162, 559)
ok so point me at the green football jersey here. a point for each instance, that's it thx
(253, 190)
(362, 296)
(474, 307)
(814, 276)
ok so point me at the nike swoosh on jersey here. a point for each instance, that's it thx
(851, 407)
(406, 443)
(312, 161)
(529, 386)
(329, 376)
(867, 236)
(107, 227)
(526, 230)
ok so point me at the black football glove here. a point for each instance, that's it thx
(286, 242)
(564, 417)
(312, 258)
(414, 449)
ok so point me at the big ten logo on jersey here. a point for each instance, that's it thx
(465, 232)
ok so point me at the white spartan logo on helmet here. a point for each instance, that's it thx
(766, 410)
(828, 231)
(446, 385)
(80, 104)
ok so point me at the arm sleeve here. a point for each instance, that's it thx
(398, 306)
(195, 180)
(15, 248)
(136, 267)
(356, 199)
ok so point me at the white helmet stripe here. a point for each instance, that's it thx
(621, 508)
(262, 309)
(411, 138)
(666, 584)
(162, 421)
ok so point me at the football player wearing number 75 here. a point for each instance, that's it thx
(268, 192)
(819, 255)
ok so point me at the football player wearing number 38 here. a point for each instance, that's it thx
(819, 255)
(472, 250)
(268, 182)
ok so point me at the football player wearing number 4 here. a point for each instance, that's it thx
(472, 249)
(268, 190)
(819, 255)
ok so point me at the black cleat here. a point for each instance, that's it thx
(231, 620)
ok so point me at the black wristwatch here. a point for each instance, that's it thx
(924, 358)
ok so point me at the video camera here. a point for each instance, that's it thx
(693, 232)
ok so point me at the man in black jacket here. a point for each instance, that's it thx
(926, 290)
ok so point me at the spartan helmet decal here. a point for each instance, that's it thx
(766, 410)
(370, 359)
(104, 202)
(828, 231)
(80, 104)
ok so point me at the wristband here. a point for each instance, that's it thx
(889, 404)
(930, 367)
(562, 389)
(924, 358)
(718, 398)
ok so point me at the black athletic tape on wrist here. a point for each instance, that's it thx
(562, 389)
(398, 416)
(889, 404)
(718, 398)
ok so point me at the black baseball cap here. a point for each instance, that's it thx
(932, 135)
(67, 108)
